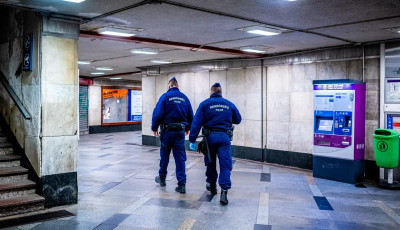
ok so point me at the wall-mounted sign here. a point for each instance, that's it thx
(135, 105)
(28, 52)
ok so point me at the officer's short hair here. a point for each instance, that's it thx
(216, 89)
(173, 83)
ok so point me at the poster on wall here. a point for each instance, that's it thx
(115, 103)
(136, 105)
(393, 91)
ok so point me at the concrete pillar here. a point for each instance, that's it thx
(50, 94)
(59, 100)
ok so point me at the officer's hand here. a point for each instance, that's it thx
(193, 146)
(186, 133)
(156, 134)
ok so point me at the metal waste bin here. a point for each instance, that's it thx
(386, 145)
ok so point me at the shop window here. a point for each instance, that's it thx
(121, 105)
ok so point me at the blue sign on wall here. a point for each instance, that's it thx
(28, 52)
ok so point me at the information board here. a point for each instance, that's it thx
(393, 91)
(136, 105)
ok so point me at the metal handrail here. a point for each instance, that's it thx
(14, 97)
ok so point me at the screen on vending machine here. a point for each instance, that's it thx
(325, 125)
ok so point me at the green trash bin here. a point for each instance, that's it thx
(386, 144)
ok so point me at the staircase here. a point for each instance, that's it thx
(17, 193)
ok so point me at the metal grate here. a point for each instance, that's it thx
(83, 108)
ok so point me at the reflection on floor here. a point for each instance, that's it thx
(117, 191)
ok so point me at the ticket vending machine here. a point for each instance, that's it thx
(339, 130)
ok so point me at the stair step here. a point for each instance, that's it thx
(13, 174)
(10, 157)
(3, 139)
(15, 189)
(22, 204)
(6, 151)
(12, 171)
(5, 145)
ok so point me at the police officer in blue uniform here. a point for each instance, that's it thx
(216, 115)
(174, 114)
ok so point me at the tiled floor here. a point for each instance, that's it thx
(117, 191)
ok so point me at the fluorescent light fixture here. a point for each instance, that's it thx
(144, 51)
(104, 68)
(395, 30)
(115, 78)
(253, 50)
(98, 73)
(115, 32)
(261, 30)
(84, 62)
(291, 0)
(161, 62)
(75, 1)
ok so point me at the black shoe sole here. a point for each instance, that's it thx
(214, 192)
(176, 189)
(223, 202)
(158, 181)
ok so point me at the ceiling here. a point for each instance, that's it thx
(309, 24)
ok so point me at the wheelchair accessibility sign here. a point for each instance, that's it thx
(28, 52)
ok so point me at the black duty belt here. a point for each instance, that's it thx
(207, 132)
(173, 127)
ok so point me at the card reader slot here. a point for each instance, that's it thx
(325, 143)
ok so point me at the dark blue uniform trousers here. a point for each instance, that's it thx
(219, 143)
(176, 142)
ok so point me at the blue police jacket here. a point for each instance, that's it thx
(173, 107)
(215, 113)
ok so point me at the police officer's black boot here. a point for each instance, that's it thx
(224, 197)
(161, 181)
(181, 188)
(212, 187)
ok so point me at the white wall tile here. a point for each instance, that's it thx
(278, 135)
(302, 77)
(95, 110)
(60, 107)
(236, 81)
(59, 154)
(59, 61)
(278, 107)
(301, 137)
(331, 70)
(278, 79)
(301, 107)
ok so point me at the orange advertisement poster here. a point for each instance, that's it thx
(115, 93)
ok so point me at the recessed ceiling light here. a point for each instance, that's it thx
(261, 30)
(98, 73)
(394, 30)
(253, 50)
(144, 51)
(161, 62)
(84, 62)
(104, 68)
(75, 1)
(115, 32)
(115, 78)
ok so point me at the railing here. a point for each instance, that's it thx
(14, 97)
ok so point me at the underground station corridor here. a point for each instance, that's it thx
(199, 114)
(117, 191)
